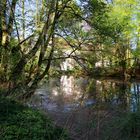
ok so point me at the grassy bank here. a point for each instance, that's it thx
(18, 122)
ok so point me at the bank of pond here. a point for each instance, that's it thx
(19, 122)
(71, 108)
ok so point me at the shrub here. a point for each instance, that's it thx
(18, 122)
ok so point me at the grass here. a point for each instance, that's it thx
(18, 122)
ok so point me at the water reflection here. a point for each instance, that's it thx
(67, 93)
(82, 105)
(135, 97)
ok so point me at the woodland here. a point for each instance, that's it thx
(100, 37)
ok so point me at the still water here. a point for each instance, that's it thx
(82, 105)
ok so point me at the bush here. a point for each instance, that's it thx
(18, 122)
(132, 126)
(123, 127)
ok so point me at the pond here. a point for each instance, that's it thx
(86, 105)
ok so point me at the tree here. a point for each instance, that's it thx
(41, 50)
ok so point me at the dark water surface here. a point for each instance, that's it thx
(84, 105)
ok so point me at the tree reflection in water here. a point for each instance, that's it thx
(84, 105)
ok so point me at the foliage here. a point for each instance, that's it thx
(35, 40)
(126, 126)
(20, 122)
(132, 126)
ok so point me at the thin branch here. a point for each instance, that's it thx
(25, 40)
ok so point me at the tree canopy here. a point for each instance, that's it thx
(35, 36)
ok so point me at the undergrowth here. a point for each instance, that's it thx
(18, 122)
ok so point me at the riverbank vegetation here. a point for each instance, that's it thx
(18, 122)
(92, 37)
(40, 39)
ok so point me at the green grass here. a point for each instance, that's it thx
(18, 122)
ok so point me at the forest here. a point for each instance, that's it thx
(83, 55)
